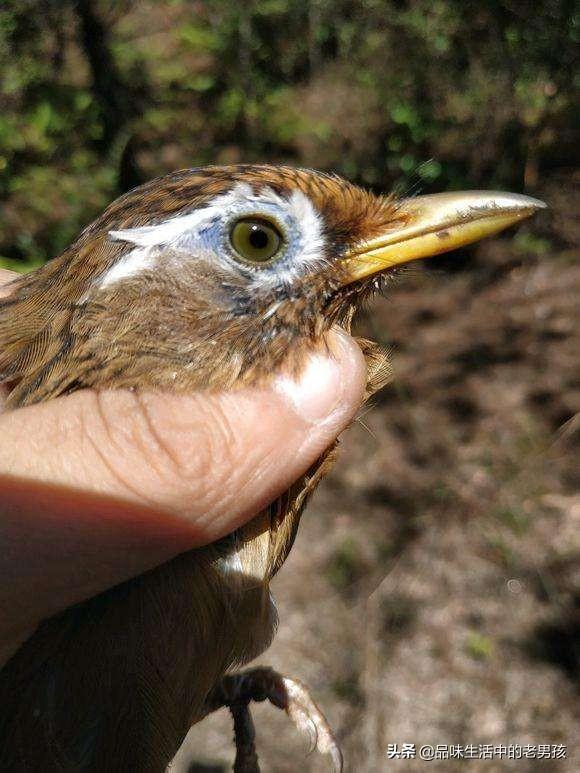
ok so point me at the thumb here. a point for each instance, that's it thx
(100, 486)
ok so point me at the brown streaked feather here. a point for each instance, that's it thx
(379, 370)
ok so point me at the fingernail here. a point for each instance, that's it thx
(322, 386)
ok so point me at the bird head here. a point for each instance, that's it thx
(212, 277)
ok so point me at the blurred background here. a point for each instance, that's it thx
(433, 596)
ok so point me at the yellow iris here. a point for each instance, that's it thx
(256, 240)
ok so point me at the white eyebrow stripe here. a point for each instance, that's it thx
(147, 239)
(170, 230)
(183, 234)
(134, 262)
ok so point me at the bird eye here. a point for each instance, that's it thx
(256, 240)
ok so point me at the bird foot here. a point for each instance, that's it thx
(236, 691)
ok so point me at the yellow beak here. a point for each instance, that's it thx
(438, 223)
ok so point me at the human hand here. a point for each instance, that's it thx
(97, 487)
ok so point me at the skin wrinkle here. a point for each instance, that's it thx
(159, 444)
(254, 475)
(101, 454)
(85, 419)
(248, 477)
(36, 447)
(236, 473)
(134, 422)
(225, 437)
(105, 424)
(216, 503)
(221, 447)
(204, 458)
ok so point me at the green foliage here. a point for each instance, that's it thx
(479, 647)
(516, 521)
(529, 244)
(346, 566)
(348, 689)
(437, 93)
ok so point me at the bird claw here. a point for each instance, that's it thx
(236, 691)
(308, 718)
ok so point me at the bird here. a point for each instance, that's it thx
(204, 279)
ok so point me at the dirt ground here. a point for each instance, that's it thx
(433, 595)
